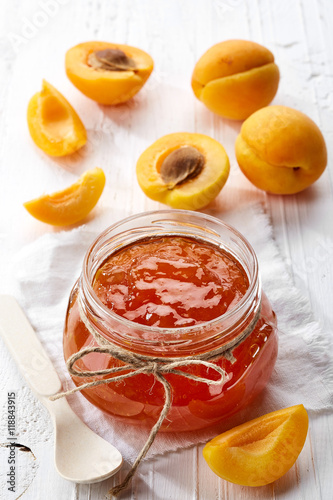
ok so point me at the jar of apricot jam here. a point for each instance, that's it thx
(173, 284)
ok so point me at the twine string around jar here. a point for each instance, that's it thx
(140, 364)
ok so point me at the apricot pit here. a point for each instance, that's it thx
(111, 60)
(183, 170)
(181, 165)
(108, 73)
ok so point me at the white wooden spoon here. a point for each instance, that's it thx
(81, 455)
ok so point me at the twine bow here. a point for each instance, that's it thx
(137, 364)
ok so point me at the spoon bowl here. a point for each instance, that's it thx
(80, 455)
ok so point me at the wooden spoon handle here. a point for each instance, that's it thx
(26, 349)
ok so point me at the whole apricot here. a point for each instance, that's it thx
(183, 170)
(260, 451)
(281, 150)
(108, 73)
(234, 78)
(53, 124)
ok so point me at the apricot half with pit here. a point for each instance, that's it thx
(72, 204)
(108, 73)
(234, 78)
(281, 150)
(53, 124)
(260, 451)
(183, 170)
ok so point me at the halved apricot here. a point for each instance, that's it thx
(72, 204)
(108, 73)
(260, 451)
(53, 124)
(234, 78)
(183, 170)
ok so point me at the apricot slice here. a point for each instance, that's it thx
(72, 204)
(108, 73)
(53, 124)
(234, 78)
(281, 150)
(183, 170)
(260, 451)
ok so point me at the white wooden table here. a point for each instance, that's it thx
(34, 38)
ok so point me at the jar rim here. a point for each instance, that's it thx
(100, 306)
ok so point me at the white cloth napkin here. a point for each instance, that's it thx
(47, 269)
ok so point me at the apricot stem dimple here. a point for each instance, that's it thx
(181, 165)
(111, 60)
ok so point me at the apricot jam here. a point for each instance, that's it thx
(173, 284)
(170, 282)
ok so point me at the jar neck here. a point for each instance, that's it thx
(170, 342)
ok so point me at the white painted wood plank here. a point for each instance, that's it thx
(307, 226)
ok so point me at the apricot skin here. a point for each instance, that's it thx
(281, 150)
(53, 124)
(107, 87)
(235, 78)
(260, 451)
(195, 193)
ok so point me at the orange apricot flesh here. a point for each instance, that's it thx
(53, 124)
(108, 85)
(72, 204)
(195, 188)
(234, 78)
(260, 451)
(281, 150)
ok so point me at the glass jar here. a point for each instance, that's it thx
(140, 398)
